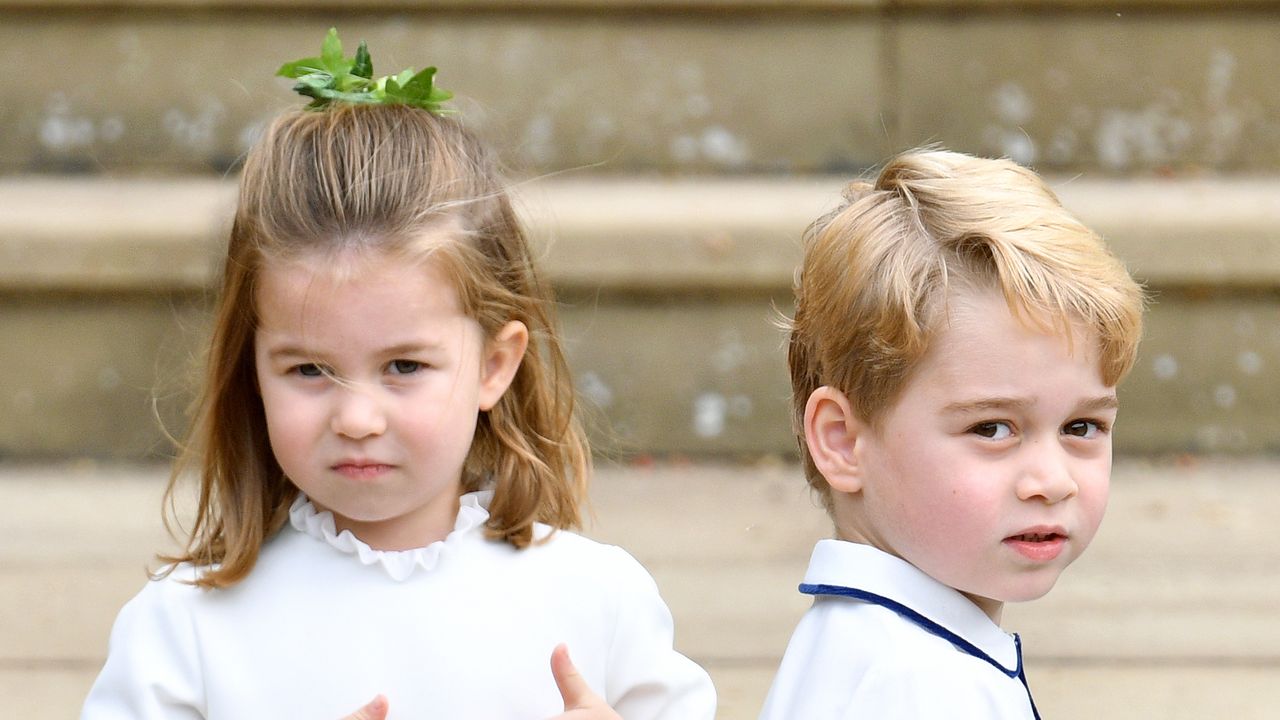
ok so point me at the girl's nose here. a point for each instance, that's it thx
(1047, 475)
(357, 414)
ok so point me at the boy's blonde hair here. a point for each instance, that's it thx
(876, 274)
(384, 179)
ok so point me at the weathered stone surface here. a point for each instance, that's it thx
(607, 91)
(670, 290)
(614, 5)
(679, 374)
(624, 234)
(1154, 613)
(1134, 90)
(625, 86)
(93, 375)
(102, 235)
(1206, 377)
(501, 5)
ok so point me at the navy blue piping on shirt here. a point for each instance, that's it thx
(932, 627)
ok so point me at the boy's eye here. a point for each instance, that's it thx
(992, 430)
(405, 367)
(1083, 428)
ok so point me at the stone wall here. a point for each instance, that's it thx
(697, 86)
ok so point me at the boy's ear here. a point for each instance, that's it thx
(503, 354)
(832, 432)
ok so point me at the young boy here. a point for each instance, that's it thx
(957, 342)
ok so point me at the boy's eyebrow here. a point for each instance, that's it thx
(1102, 402)
(988, 403)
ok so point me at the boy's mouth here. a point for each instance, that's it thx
(1038, 544)
(1036, 537)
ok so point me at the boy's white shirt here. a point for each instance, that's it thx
(462, 629)
(853, 658)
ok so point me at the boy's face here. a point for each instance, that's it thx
(990, 472)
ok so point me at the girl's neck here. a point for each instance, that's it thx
(409, 532)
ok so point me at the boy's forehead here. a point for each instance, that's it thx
(979, 330)
(974, 306)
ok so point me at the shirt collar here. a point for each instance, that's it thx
(863, 568)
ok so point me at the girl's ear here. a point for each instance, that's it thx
(832, 432)
(503, 354)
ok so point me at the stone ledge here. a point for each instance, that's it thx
(517, 5)
(623, 5)
(624, 234)
(1154, 612)
(1157, 90)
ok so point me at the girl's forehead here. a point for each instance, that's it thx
(352, 266)
(319, 281)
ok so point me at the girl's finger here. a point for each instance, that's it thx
(375, 710)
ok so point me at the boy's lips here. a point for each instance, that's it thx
(1040, 544)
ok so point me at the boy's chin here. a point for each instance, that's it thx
(1030, 591)
(1020, 593)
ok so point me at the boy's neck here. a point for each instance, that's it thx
(848, 532)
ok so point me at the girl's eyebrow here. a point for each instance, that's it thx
(405, 348)
(290, 351)
(410, 348)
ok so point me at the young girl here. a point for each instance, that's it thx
(388, 463)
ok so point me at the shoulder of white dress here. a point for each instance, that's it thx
(612, 564)
(174, 584)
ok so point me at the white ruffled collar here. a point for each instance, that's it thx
(473, 512)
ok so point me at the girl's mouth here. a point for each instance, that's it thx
(362, 470)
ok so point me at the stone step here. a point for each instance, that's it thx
(670, 289)
(1156, 611)
(621, 86)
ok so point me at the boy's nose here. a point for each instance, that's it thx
(1047, 475)
(357, 415)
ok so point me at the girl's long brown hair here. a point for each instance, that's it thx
(377, 178)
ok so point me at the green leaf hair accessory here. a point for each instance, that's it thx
(335, 77)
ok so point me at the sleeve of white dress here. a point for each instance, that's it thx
(152, 669)
(647, 678)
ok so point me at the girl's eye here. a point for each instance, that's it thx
(992, 430)
(309, 370)
(405, 367)
(1084, 428)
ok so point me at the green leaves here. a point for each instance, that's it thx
(335, 77)
(419, 89)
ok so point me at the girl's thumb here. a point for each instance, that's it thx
(375, 710)
(573, 688)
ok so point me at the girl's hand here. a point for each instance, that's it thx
(579, 702)
(375, 710)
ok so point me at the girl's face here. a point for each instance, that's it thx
(372, 382)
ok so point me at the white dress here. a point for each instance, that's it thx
(462, 628)
(885, 640)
